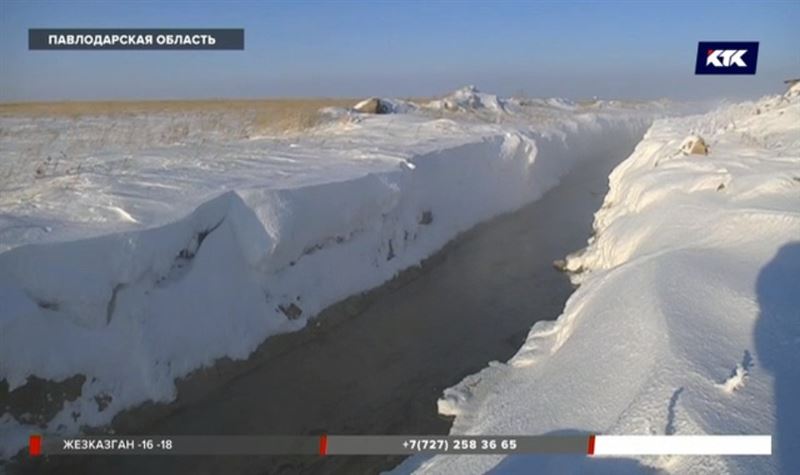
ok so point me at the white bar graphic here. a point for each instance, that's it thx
(683, 445)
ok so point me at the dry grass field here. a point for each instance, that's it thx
(275, 115)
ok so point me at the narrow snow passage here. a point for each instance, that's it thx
(232, 244)
(377, 363)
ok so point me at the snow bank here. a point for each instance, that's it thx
(133, 305)
(686, 320)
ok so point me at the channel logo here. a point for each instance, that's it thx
(726, 57)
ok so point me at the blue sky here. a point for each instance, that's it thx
(350, 48)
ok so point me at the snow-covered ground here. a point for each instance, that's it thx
(134, 250)
(687, 318)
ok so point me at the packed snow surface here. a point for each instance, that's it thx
(133, 254)
(687, 318)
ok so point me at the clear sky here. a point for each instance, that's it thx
(352, 48)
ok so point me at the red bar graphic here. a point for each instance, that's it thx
(35, 445)
(590, 448)
(323, 444)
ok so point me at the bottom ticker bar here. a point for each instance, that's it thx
(400, 445)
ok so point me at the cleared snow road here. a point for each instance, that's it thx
(377, 363)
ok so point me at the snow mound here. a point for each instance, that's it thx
(686, 318)
(694, 145)
(794, 89)
(469, 98)
(551, 102)
(379, 105)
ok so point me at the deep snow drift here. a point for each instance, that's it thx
(686, 320)
(134, 265)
